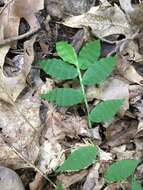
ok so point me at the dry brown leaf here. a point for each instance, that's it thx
(19, 123)
(122, 153)
(11, 87)
(104, 20)
(121, 132)
(129, 72)
(69, 179)
(93, 180)
(123, 185)
(131, 51)
(38, 182)
(60, 125)
(51, 155)
(10, 17)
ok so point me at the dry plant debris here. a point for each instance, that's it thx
(38, 139)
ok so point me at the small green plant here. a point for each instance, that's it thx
(79, 159)
(90, 70)
(94, 71)
(121, 170)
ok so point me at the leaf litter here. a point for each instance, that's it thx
(39, 135)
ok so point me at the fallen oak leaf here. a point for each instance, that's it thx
(129, 72)
(104, 20)
(11, 87)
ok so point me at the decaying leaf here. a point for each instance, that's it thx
(69, 179)
(20, 124)
(50, 156)
(93, 180)
(104, 20)
(129, 72)
(11, 87)
(115, 186)
(59, 125)
(121, 132)
(38, 182)
(10, 17)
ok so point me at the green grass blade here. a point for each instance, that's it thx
(58, 69)
(66, 52)
(79, 159)
(64, 96)
(89, 54)
(105, 111)
(121, 170)
(99, 71)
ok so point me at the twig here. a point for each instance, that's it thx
(7, 142)
(12, 39)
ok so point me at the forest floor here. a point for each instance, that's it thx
(36, 136)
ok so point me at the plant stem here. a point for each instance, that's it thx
(84, 94)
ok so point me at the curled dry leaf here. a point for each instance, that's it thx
(104, 20)
(129, 72)
(19, 124)
(10, 17)
(11, 87)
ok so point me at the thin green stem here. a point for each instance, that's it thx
(84, 94)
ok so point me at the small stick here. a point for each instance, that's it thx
(15, 38)
(23, 158)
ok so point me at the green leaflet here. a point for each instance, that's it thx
(121, 170)
(60, 187)
(66, 52)
(135, 184)
(58, 69)
(79, 159)
(89, 54)
(99, 71)
(64, 96)
(105, 111)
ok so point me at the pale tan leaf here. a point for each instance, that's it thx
(19, 124)
(104, 20)
(11, 87)
(129, 72)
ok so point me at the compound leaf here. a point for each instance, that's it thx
(89, 54)
(105, 110)
(64, 96)
(58, 69)
(66, 52)
(99, 71)
(121, 170)
(135, 184)
(79, 159)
